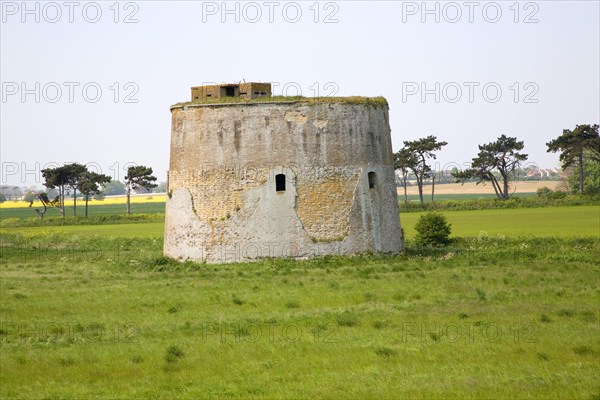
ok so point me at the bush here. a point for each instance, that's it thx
(547, 193)
(13, 221)
(433, 230)
(543, 192)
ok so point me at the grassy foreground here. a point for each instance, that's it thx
(96, 311)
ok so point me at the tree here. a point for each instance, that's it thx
(501, 156)
(30, 196)
(88, 185)
(114, 188)
(63, 178)
(46, 202)
(11, 192)
(420, 151)
(575, 145)
(404, 161)
(433, 230)
(591, 173)
(76, 172)
(57, 178)
(160, 188)
(138, 177)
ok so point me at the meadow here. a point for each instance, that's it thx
(509, 310)
(548, 221)
(22, 210)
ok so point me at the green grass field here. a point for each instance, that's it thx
(550, 221)
(141, 230)
(96, 311)
(97, 209)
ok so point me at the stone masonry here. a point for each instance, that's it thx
(297, 179)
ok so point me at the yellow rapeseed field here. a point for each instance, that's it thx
(140, 198)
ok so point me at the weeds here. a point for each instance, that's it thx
(292, 304)
(565, 313)
(385, 352)
(584, 350)
(545, 319)
(347, 319)
(480, 294)
(173, 354)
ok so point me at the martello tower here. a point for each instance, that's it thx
(254, 176)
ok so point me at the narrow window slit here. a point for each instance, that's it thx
(280, 183)
(372, 180)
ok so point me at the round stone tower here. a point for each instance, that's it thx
(279, 177)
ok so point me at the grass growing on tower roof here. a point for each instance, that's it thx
(379, 101)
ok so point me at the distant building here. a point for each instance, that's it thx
(543, 173)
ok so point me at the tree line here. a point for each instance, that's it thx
(497, 162)
(74, 177)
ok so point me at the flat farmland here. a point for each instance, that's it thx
(97, 311)
(548, 221)
(470, 188)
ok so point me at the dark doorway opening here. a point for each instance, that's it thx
(230, 91)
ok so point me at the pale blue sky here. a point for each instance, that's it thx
(375, 49)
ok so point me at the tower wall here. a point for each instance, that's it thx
(223, 200)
